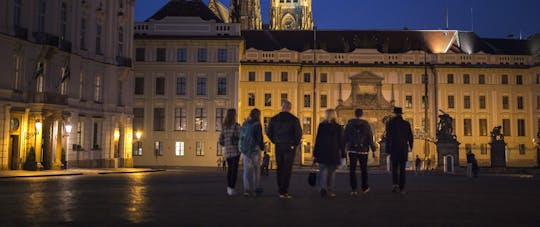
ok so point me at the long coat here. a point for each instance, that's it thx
(329, 147)
(399, 138)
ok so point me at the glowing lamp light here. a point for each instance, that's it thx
(116, 134)
(138, 135)
(38, 126)
(68, 128)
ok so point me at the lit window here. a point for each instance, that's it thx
(408, 102)
(199, 149)
(201, 122)
(179, 149)
(220, 117)
(306, 125)
(251, 99)
(307, 101)
(158, 148)
(467, 127)
(267, 99)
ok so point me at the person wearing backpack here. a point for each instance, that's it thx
(328, 152)
(228, 139)
(285, 132)
(358, 141)
(251, 144)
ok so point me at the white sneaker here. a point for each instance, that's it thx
(230, 191)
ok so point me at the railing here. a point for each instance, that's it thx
(123, 61)
(49, 98)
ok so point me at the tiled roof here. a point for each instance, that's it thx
(185, 8)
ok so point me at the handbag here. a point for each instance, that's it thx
(312, 176)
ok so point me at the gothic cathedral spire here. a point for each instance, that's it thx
(291, 15)
(247, 13)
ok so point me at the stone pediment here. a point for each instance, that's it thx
(366, 93)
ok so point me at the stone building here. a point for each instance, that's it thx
(65, 93)
(186, 70)
(291, 15)
(481, 83)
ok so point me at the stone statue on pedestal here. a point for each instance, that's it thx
(447, 144)
(445, 128)
(498, 148)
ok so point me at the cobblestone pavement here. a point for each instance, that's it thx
(197, 198)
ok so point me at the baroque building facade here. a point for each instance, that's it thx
(65, 93)
(185, 80)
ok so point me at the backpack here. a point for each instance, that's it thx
(247, 143)
(357, 137)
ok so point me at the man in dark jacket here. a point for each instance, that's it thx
(358, 140)
(399, 142)
(285, 132)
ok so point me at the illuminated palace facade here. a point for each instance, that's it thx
(66, 88)
(193, 64)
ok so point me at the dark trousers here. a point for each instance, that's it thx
(362, 159)
(398, 173)
(284, 159)
(232, 172)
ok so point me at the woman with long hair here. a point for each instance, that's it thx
(250, 145)
(228, 139)
(328, 152)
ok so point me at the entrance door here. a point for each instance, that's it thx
(14, 153)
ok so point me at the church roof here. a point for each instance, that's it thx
(185, 8)
(399, 41)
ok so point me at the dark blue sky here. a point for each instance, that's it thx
(492, 18)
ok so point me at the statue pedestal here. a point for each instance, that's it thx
(449, 151)
(498, 154)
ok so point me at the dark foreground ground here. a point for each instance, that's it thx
(197, 198)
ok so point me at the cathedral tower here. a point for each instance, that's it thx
(247, 13)
(291, 15)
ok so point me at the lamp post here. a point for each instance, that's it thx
(38, 126)
(138, 135)
(68, 129)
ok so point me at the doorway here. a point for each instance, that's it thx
(14, 152)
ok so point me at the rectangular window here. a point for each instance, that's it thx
(306, 125)
(467, 127)
(482, 79)
(222, 55)
(82, 37)
(408, 102)
(482, 102)
(80, 134)
(521, 127)
(160, 86)
(467, 102)
(307, 101)
(482, 124)
(506, 127)
(267, 99)
(284, 97)
(284, 76)
(201, 86)
(97, 90)
(158, 148)
(139, 85)
(161, 54)
(202, 55)
(17, 12)
(181, 86)
(138, 119)
(220, 117)
(520, 102)
(324, 78)
(98, 39)
(450, 78)
(307, 78)
(180, 119)
(451, 102)
(425, 79)
(408, 78)
(268, 76)
(140, 54)
(324, 101)
(505, 102)
(466, 79)
(251, 99)
(251, 76)
(483, 149)
(181, 55)
(179, 149)
(159, 119)
(307, 148)
(201, 122)
(222, 86)
(504, 79)
(96, 137)
(519, 79)
(199, 148)
(522, 149)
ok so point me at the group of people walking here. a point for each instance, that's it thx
(332, 145)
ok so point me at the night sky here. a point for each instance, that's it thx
(492, 18)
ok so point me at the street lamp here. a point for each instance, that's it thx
(68, 128)
(38, 126)
(138, 135)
